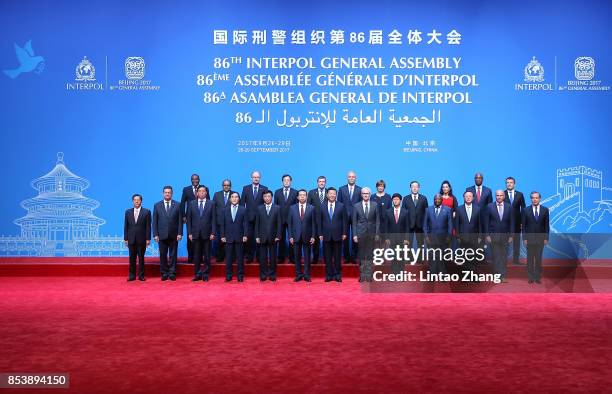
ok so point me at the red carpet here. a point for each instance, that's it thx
(183, 337)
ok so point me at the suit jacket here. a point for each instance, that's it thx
(220, 205)
(416, 212)
(535, 231)
(137, 232)
(187, 196)
(302, 229)
(167, 225)
(313, 198)
(251, 202)
(234, 230)
(498, 230)
(279, 199)
(332, 229)
(438, 225)
(268, 226)
(201, 226)
(468, 229)
(486, 197)
(518, 205)
(363, 225)
(397, 232)
(345, 198)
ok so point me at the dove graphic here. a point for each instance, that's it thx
(27, 61)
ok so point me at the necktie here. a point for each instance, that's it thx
(321, 195)
(478, 194)
(301, 212)
(286, 194)
(500, 210)
(396, 215)
(351, 193)
(136, 216)
(268, 210)
(224, 198)
(511, 197)
(195, 191)
(331, 211)
(537, 213)
(233, 213)
(255, 192)
(469, 213)
(201, 207)
(167, 206)
(437, 211)
(414, 199)
(367, 209)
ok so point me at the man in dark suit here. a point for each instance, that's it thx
(499, 224)
(468, 228)
(268, 225)
(252, 198)
(366, 231)
(316, 198)
(517, 204)
(221, 201)
(167, 232)
(482, 194)
(137, 236)
(438, 228)
(201, 223)
(536, 229)
(349, 195)
(234, 228)
(189, 194)
(285, 197)
(333, 229)
(416, 205)
(397, 229)
(302, 225)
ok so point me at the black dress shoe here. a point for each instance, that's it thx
(164, 278)
(262, 279)
(196, 278)
(297, 279)
(328, 279)
(228, 279)
(131, 279)
(530, 280)
(338, 279)
(272, 279)
(240, 279)
(307, 279)
(172, 277)
(142, 279)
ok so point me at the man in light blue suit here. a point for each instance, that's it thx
(438, 227)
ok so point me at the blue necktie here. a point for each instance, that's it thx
(201, 208)
(331, 211)
(255, 192)
(224, 198)
(233, 213)
(537, 213)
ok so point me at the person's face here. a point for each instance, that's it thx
(437, 201)
(255, 178)
(468, 198)
(321, 183)
(499, 196)
(226, 186)
(286, 181)
(478, 179)
(137, 201)
(167, 194)
(396, 202)
(302, 197)
(535, 199)
(331, 195)
(201, 193)
(267, 198)
(195, 180)
(445, 188)
(351, 178)
(365, 195)
(380, 188)
(234, 199)
(509, 184)
(414, 188)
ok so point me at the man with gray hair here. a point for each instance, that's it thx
(252, 198)
(366, 229)
(349, 195)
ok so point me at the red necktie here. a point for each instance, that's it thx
(396, 216)
(478, 194)
(301, 212)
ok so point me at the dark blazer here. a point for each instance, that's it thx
(279, 199)
(442, 224)
(313, 198)
(333, 229)
(518, 205)
(233, 231)
(498, 230)
(302, 230)
(201, 226)
(251, 202)
(220, 205)
(486, 197)
(137, 232)
(397, 231)
(535, 231)
(167, 225)
(468, 230)
(268, 226)
(344, 198)
(417, 213)
(187, 196)
(363, 225)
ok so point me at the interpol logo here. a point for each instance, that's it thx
(85, 71)
(584, 68)
(534, 72)
(134, 67)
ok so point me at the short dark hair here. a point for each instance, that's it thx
(534, 192)
(232, 193)
(511, 178)
(411, 182)
(396, 195)
(321, 177)
(283, 177)
(302, 190)
(196, 175)
(468, 191)
(267, 192)
(381, 183)
(332, 189)
(202, 187)
(228, 181)
(167, 187)
(136, 195)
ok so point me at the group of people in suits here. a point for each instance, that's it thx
(351, 221)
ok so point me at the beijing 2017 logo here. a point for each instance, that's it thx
(584, 68)
(134, 67)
